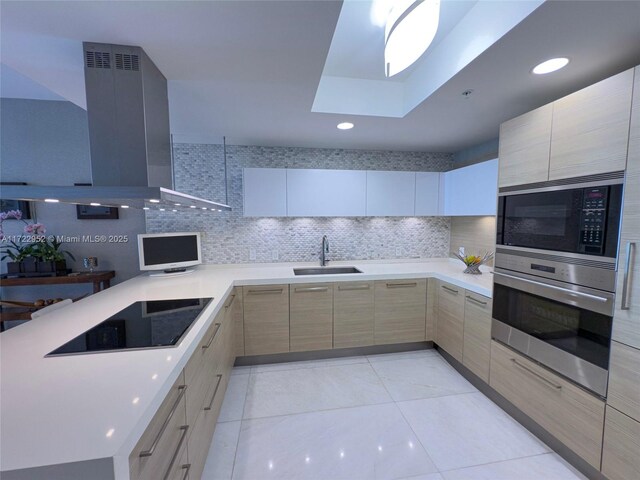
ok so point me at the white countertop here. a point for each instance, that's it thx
(61, 409)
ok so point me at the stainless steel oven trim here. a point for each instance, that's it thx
(585, 374)
(586, 298)
(609, 262)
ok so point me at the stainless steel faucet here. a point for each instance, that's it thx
(325, 250)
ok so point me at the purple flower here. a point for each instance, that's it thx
(4, 216)
(39, 229)
(17, 214)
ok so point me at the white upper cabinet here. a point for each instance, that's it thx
(427, 194)
(391, 194)
(326, 193)
(265, 192)
(471, 190)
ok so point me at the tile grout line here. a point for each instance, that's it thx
(244, 405)
(405, 419)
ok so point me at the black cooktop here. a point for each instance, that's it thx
(150, 324)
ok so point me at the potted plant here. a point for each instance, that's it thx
(50, 259)
(22, 259)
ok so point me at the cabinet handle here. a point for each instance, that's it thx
(271, 291)
(186, 469)
(449, 289)
(215, 332)
(476, 301)
(184, 429)
(148, 453)
(537, 375)
(364, 286)
(233, 298)
(626, 291)
(402, 285)
(311, 289)
(215, 391)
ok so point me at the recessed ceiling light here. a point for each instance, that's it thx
(162, 209)
(51, 200)
(145, 208)
(124, 206)
(154, 200)
(192, 206)
(94, 204)
(550, 65)
(345, 126)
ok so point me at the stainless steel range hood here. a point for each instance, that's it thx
(128, 112)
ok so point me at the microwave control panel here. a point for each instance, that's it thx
(593, 220)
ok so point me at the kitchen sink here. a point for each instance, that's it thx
(325, 270)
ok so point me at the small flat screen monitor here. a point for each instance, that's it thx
(169, 252)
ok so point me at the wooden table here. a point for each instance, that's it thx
(100, 280)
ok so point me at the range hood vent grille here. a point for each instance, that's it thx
(94, 59)
(125, 61)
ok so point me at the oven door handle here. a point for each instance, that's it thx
(559, 289)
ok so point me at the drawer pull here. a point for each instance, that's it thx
(311, 289)
(272, 291)
(626, 291)
(537, 375)
(148, 453)
(218, 325)
(476, 301)
(364, 286)
(186, 469)
(215, 391)
(402, 285)
(233, 297)
(184, 429)
(449, 289)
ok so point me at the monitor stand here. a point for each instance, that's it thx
(172, 272)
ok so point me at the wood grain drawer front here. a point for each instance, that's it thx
(197, 358)
(155, 454)
(476, 351)
(180, 462)
(450, 328)
(237, 314)
(311, 315)
(591, 129)
(566, 411)
(353, 317)
(624, 380)
(266, 319)
(206, 376)
(400, 311)
(524, 148)
(620, 458)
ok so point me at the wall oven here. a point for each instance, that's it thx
(554, 278)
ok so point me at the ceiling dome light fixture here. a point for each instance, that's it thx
(550, 65)
(345, 126)
(411, 27)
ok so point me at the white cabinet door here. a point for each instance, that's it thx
(391, 194)
(471, 190)
(427, 194)
(326, 193)
(265, 192)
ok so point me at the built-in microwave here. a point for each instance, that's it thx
(577, 216)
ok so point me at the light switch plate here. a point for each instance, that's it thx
(252, 254)
(274, 255)
(461, 251)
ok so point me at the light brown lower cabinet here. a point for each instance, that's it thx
(154, 456)
(624, 379)
(621, 448)
(450, 325)
(266, 319)
(400, 311)
(567, 412)
(311, 317)
(353, 317)
(476, 352)
(176, 443)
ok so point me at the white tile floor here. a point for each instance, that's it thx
(394, 416)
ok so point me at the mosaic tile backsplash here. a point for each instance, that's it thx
(229, 237)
